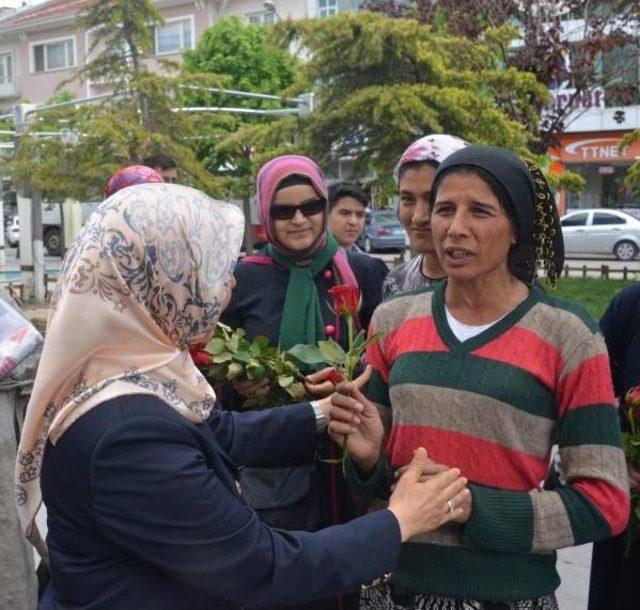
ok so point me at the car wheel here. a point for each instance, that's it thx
(625, 250)
(52, 242)
(368, 246)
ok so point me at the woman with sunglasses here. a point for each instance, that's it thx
(282, 293)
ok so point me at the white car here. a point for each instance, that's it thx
(601, 231)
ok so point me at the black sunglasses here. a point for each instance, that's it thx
(287, 211)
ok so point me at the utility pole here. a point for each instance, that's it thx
(39, 288)
(30, 214)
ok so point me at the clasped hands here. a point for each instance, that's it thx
(426, 495)
(437, 493)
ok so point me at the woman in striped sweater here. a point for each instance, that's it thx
(488, 375)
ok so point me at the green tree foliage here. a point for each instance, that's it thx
(102, 138)
(602, 56)
(245, 60)
(240, 53)
(121, 37)
(381, 83)
(142, 118)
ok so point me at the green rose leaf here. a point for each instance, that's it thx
(285, 381)
(234, 371)
(331, 351)
(234, 343)
(215, 346)
(256, 372)
(297, 391)
(308, 354)
(244, 357)
(223, 357)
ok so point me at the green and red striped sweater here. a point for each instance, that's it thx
(494, 406)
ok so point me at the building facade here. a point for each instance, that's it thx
(41, 46)
(594, 129)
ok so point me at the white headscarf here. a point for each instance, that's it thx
(146, 279)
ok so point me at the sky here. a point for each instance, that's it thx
(18, 3)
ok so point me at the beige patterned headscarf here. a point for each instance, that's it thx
(146, 279)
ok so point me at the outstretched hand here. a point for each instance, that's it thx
(353, 416)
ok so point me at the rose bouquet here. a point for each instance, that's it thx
(230, 356)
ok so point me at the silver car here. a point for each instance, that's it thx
(601, 231)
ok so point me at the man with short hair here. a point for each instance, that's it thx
(347, 209)
(164, 165)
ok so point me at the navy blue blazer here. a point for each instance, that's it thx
(143, 512)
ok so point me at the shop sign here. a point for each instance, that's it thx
(596, 148)
(567, 99)
(606, 170)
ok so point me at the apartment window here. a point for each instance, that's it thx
(326, 8)
(261, 18)
(174, 36)
(621, 75)
(54, 55)
(6, 68)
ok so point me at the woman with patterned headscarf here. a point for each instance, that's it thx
(414, 176)
(489, 374)
(137, 470)
(282, 293)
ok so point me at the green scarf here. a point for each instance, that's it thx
(301, 316)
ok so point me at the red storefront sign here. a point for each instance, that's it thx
(598, 147)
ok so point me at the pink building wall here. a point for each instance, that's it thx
(37, 87)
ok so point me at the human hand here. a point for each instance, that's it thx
(423, 505)
(429, 470)
(252, 389)
(324, 382)
(353, 416)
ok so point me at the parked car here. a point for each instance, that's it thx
(12, 232)
(382, 231)
(601, 231)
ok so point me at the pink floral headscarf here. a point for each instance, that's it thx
(434, 147)
(128, 176)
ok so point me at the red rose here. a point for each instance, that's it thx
(200, 357)
(346, 299)
(334, 377)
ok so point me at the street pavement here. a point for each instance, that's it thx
(574, 566)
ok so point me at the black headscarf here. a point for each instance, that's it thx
(531, 201)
